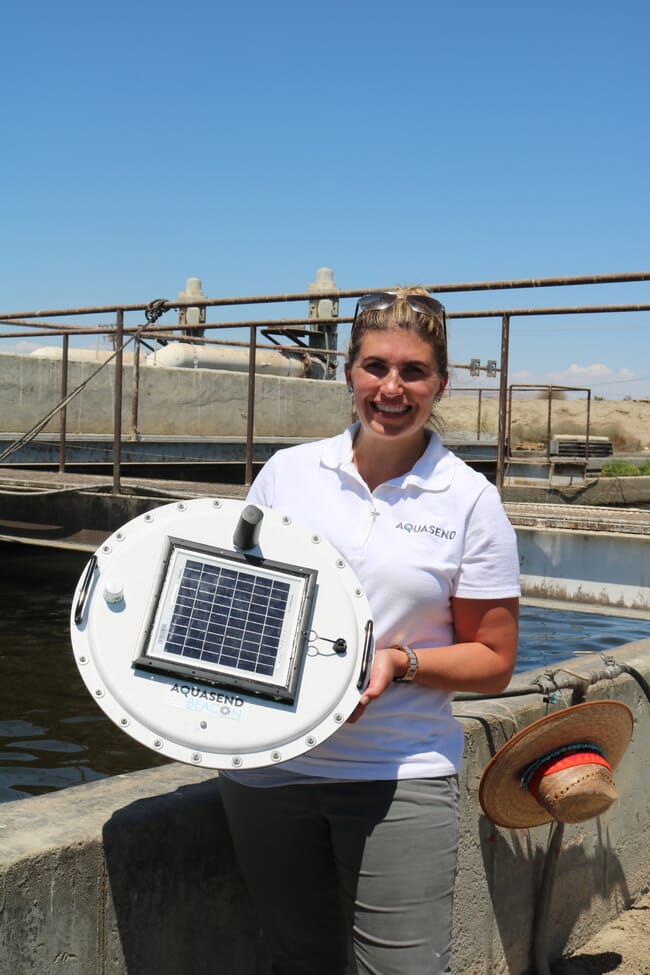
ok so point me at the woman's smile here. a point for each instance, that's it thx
(394, 410)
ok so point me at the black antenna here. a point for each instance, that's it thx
(248, 528)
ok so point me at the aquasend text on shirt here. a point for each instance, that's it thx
(412, 528)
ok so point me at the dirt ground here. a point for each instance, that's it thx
(622, 947)
(625, 422)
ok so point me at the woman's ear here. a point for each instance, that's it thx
(348, 377)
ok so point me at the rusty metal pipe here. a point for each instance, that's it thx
(438, 288)
(291, 322)
(117, 412)
(166, 334)
(58, 328)
(503, 404)
(554, 310)
(135, 400)
(64, 394)
(250, 418)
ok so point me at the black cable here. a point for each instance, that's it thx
(639, 678)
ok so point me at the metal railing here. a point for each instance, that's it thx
(295, 330)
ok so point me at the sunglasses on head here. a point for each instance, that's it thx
(422, 304)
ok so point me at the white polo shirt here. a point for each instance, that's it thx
(438, 531)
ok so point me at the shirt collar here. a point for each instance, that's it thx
(433, 471)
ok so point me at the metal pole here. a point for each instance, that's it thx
(510, 392)
(503, 403)
(117, 405)
(250, 418)
(478, 418)
(549, 426)
(436, 288)
(588, 429)
(135, 402)
(64, 393)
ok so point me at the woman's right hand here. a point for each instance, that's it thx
(386, 666)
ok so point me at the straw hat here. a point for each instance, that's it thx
(559, 767)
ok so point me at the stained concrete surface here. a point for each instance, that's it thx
(622, 947)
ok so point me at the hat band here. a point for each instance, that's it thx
(570, 756)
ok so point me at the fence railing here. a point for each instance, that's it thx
(314, 336)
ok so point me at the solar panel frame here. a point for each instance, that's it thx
(223, 648)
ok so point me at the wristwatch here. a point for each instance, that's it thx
(413, 662)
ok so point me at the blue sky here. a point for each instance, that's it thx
(249, 144)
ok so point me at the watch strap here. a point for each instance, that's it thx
(412, 666)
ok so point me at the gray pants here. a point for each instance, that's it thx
(371, 862)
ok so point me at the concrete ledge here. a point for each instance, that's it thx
(135, 875)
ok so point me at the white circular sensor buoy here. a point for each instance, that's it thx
(220, 634)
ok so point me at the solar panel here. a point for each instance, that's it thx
(233, 620)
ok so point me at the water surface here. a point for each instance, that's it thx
(53, 735)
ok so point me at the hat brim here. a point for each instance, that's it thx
(606, 724)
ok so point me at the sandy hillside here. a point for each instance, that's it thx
(625, 422)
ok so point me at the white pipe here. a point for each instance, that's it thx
(186, 355)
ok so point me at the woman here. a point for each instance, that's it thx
(356, 840)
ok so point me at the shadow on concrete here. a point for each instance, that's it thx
(175, 900)
(519, 853)
(601, 964)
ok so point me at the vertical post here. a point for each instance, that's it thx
(323, 336)
(510, 417)
(549, 424)
(117, 404)
(135, 401)
(64, 393)
(478, 418)
(250, 416)
(588, 429)
(503, 403)
(191, 317)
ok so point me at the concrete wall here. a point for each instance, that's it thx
(135, 875)
(608, 569)
(172, 402)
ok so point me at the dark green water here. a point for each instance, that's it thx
(53, 735)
